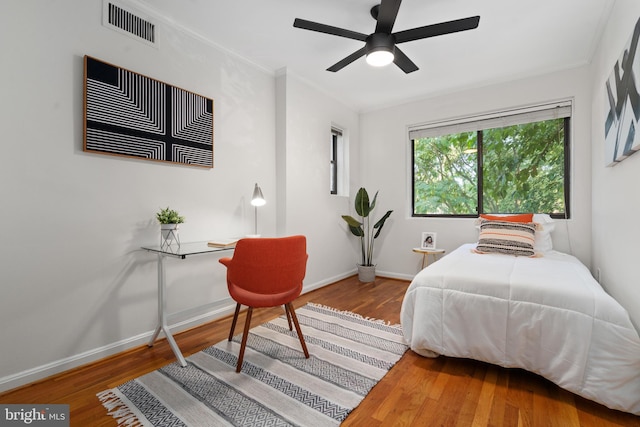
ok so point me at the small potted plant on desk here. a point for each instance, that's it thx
(366, 233)
(169, 220)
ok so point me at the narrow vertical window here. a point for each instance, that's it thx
(336, 136)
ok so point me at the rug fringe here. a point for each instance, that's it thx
(354, 315)
(118, 409)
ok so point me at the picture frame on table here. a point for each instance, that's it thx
(428, 240)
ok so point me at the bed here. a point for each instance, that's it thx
(545, 314)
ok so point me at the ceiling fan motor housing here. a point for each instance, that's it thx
(380, 41)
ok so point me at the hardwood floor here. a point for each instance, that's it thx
(417, 392)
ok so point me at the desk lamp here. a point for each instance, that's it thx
(257, 200)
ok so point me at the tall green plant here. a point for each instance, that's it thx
(363, 229)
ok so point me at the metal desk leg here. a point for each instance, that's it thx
(162, 317)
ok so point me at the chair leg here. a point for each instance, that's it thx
(233, 323)
(247, 324)
(286, 310)
(295, 322)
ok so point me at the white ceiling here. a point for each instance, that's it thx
(515, 39)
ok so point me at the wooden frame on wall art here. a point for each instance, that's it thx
(128, 114)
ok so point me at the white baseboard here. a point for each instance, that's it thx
(392, 275)
(40, 372)
(218, 310)
(328, 281)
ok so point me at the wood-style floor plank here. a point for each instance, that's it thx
(418, 391)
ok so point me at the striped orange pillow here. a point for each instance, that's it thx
(507, 237)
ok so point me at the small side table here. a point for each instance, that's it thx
(425, 254)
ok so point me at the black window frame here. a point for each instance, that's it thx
(479, 207)
(333, 183)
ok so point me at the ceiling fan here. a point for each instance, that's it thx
(380, 47)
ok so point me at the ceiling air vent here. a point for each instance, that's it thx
(130, 23)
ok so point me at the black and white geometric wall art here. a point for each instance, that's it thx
(622, 104)
(128, 114)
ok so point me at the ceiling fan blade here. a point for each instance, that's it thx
(348, 60)
(437, 29)
(328, 29)
(403, 61)
(387, 14)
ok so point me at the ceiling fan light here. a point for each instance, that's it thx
(379, 48)
(379, 58)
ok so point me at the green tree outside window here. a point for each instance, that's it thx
(513, 169)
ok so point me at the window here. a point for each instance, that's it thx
(336, 147)
(515, 162)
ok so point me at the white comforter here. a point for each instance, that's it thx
(546, 315)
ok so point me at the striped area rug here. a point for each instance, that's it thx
(277, 386)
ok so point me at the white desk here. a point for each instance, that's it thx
(181, 252)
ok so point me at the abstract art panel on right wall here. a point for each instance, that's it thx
(622, 136)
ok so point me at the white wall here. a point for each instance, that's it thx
(616, 205)
(304, 144)
(75, 284)
(386, 163)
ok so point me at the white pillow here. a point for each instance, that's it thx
(543, 241)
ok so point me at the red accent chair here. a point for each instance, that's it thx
(266, 272)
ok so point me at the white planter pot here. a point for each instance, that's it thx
(169, 234)
(366, 273)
